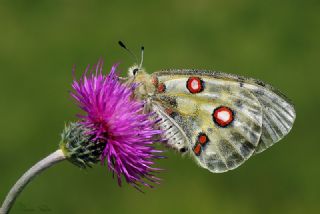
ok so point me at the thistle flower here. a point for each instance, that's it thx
(114, 130)
(115, 119)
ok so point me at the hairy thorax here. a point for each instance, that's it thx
(146, 88)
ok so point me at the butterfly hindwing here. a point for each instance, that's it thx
(222, 121)
(278, 113)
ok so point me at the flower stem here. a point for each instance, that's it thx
(43, 164)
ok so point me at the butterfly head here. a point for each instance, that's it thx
(134, 70)
(139, 75)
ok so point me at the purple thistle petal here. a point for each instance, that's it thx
(116, 119)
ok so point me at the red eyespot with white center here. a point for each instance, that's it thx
(195, 85)
(223, 116)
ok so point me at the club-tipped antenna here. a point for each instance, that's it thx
(124, 47)
(142, 51)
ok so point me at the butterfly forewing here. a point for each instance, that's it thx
(222, 121)
(278, 112)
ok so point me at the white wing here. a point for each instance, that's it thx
(278, 112)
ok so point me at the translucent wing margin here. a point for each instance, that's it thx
(278, 114)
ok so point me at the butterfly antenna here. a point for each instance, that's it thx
(132, 54)
(142, 53)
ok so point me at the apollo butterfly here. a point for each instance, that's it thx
(220, 119)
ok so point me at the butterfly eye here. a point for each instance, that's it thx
(135, 71)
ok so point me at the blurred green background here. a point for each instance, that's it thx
(276, 41)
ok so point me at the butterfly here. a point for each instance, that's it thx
(220, 119)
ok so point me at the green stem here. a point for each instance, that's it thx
(43, 164)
